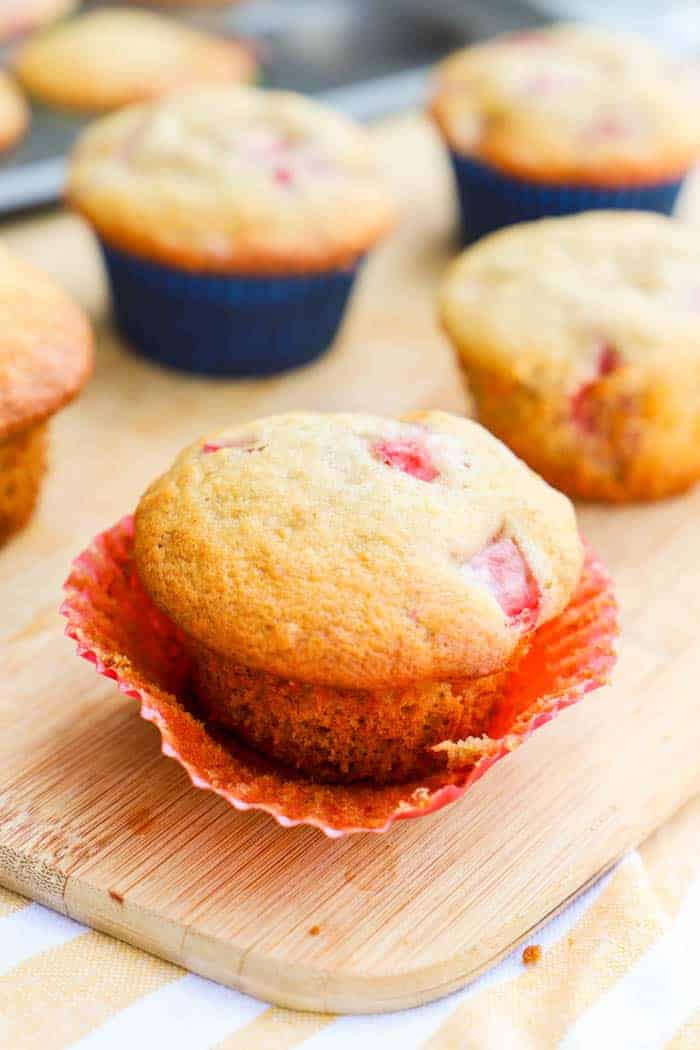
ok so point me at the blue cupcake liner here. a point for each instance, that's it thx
(489, 199)
(225, 325)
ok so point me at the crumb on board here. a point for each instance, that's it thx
(116, 896)
(315, 930)
(532, 954)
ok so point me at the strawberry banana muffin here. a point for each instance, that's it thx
(233, 222)
(18, 17)
(45, 357)
(14, 113)
(109, 58)
(355, 590)
(565, 119)
(580, 338)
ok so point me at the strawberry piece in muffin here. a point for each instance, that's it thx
(409, 456)
(503, 570)
(582, 402)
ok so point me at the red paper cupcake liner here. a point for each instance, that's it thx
(119, 629)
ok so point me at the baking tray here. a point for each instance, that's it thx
(366, 58)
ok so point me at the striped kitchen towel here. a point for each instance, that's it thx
(619, 969)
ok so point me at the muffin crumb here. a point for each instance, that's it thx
(532, 954)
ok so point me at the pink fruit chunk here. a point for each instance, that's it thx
(282, 175)
(502, 569)
(543, 83)
(407, 455)
(246, 444)
(607, 361)
(612, 127)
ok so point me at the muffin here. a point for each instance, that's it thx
(116, 56)
(45, 357)
(18, 17)
(14, 113)
(580, 338)
(564, 119)
(233, 223)
(354, 590)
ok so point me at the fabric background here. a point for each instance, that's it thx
(620, 968)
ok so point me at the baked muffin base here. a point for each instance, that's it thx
(635, 444)
(344, 735)
(22, 466)
(121, 632)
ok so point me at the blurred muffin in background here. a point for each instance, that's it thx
(18, 17)
(14, 113)
(116, 56)
(45, 358)
(562, 120)
(580, 338)
(233, 223)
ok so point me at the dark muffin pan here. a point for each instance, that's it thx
(364, 57)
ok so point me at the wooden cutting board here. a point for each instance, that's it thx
(94, 822)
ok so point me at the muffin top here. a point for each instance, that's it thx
(115, 56)
(571, 104)
(21, 16)
(45, 349)
(14, 113)
(357, 551)
(559, 302)
(232, 180)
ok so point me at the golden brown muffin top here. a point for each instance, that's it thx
(571, 104)
(14, 112)
(357, 551)
(560, 301)
(45, 346)
(233, 180)
(116, 56)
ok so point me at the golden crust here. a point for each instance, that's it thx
(22, 466)
(571, 105)
(117, 56)
(534, 310)
(14, 113)
(645, 445)
(46, 351)
(291, 546)
(232, 180)
(340, 736)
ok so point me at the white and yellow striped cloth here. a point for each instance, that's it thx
(620, 969)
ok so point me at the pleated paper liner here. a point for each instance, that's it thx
(226, 325)
(490, 199)
(118, 628)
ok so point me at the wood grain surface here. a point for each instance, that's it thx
(96, 823)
